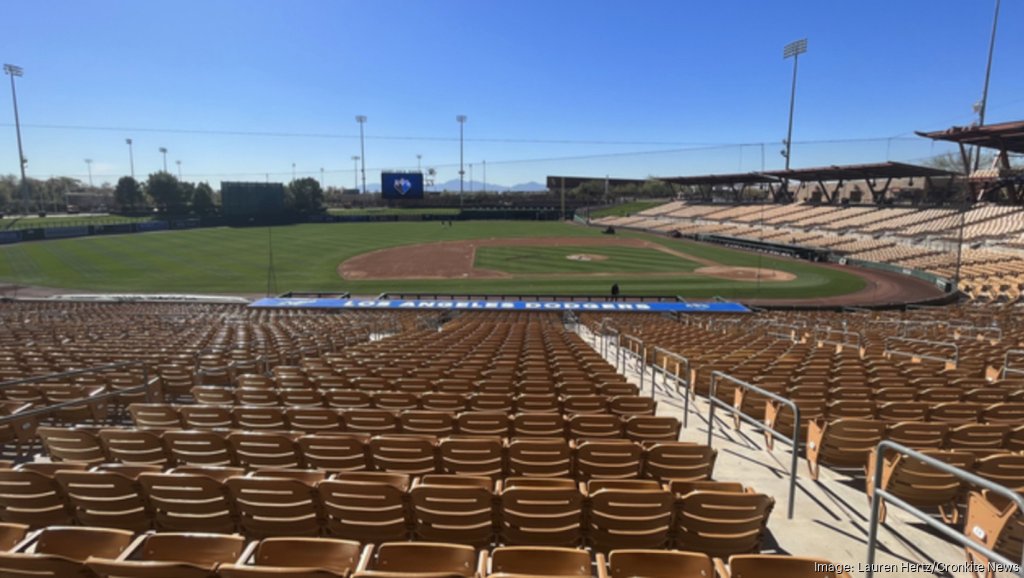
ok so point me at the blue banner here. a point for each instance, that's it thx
(65, 232)
(408, 304)
(9, 237)
(151, 226)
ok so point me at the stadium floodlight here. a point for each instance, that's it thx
(163, 151)
(355, 172)
(461, 119)
(131, 156)
(794, 50)
(13, 70)
(88, 164)
(361, 119)
(179, 169)
(419, 164)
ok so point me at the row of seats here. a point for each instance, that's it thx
(107, 553)
(375, 507)
(381, 421)
(400, 400)
(490, 456)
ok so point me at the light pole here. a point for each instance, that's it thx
(163, 151)
(461, 119)
(471, 189)
(981, 106)
(361, 119)
(131, 156)
(293, 171)
(88, 164)
(794, 49)
(355, 172)
(321, 177)
(13, 71)
(419, 164)
(179, 169)
(485, 177)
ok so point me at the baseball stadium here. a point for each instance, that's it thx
(800, 372)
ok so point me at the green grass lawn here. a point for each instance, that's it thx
(389, 211)
(306, 257)
(625, 209)
(526, 260)
(13, 223)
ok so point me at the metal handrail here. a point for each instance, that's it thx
(62, 375)
(791, 334)
(977, 331)
(1006, 363)
(640, 354)
(48, 409)
(878, 495)
(890, 351)
(826, 332)
(684, 379)
(794, 442)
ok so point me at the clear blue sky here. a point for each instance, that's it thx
(628, 89)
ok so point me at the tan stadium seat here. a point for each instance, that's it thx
(1007, 412)
(60, 551)
(334, 452)
(899, 411)
(255, 397)
(105, 500)
(545, 425)
(461, 514)
(538, 561)
(313, 419)
(255, 449)
(956, 412)
(206, 416)
(134, 446)
(682, 461)
(770, 566)
(918, 435)
(629, 563)
(416, 559)
(294, 398)
(274, 506)
(978, 436)
(171, 555)
(720, 524)
(395, 400)
(71, 445)
(474, 456)
(155, 416)
(629, 518)
(198, 447)
(296, 558)
(450, 401)
(921, 485)
(842, 443)
(371, 421)
(213, 395)
(542, 457)
(424, 422)
(254, 418)
(996, 523)
(482, 423)
(651, 428)
(408, 454)
(577, 404)
(189, 502)
(608, 459)
(594, 426)
(32, 498)
(11, 535)
(537, 403)
(536, 514)
(365, 506)
(630, 405)
(498, 402)
(348, 399)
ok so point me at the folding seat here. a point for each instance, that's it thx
(61, 551)
(532, 387)
(264, 449)
(334, 452)
(253, 380)
(175, 381)
(900, 411)
(1006, 469)
(455, 385)
(396, 559)
(921, 485)
(32, 498)
(576, 385)
(500, 402)
(414, 385)
(187, 502)
(11, 535)
(274, 506)
(423, 422)
(996, 523)
(538, 425)
(851, 408)
(1015, 439)
(395, 400)
(71, 445)
(978, 437)
(313, 419)
(681, 487)
(538, 561)
(481, 423)
(213, 395)
(105, 499)
(537, 403)
(171, 555)
(257, 397)
(630, 405)
(628, 518)
(892, 394)
(371, 421)
(155, 415)
(134, 446)
(473, 456)
(584, 404)
(407, 454)
(541, 516)
(769, 566)
(296, 558)
(595, 426)
(842, 443)
(206, 416)
(617, 388)
(720, 524)
(608, 459)
(366, 506)
(681, 461)
(541, 457)
(1011, 412)
(652, 428)
(259, 418)
(348, 399)
(918, 435)
(445, 401)
(849, 392)
(660, 564)
(198, 447)
(986, 395)
(935, 395)
(292, 398)
(955, 412)
(460, 514)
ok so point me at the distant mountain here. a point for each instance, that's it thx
(478, 186)
(530, 187)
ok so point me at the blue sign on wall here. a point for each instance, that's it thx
(401, 185)
(468, 305)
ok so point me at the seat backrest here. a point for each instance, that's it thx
(545, 516)
(593, 426)
(542, 457)
(259, 418)
(333, 452)
(410, 454)
(274, 506)
(198, 447)
(918, 435)
(457, 514)
(80, 543)
(188, 503)
(105, 499)
(264, 450)
(155, 415)
(417, 557)
(173, 555)
(483, 423)
(658, 564)
(425, 422)
(652, 428)
(372, 421)
(134, 446)
(608, 459)
(679, 461)
(363, 509)
(206, 416)
(32, 498)
(313, 419)
(626, 518)
(720, 524)
(11, 534)
(978, 436)
(71, 445)
(540, 561)
(483, 456)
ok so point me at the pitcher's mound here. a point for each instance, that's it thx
(745, 273)
(586, 257)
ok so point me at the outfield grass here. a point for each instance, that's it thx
(391, 211)
(14, 223)
(625, 209)
(550, 260)
(306, 257)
